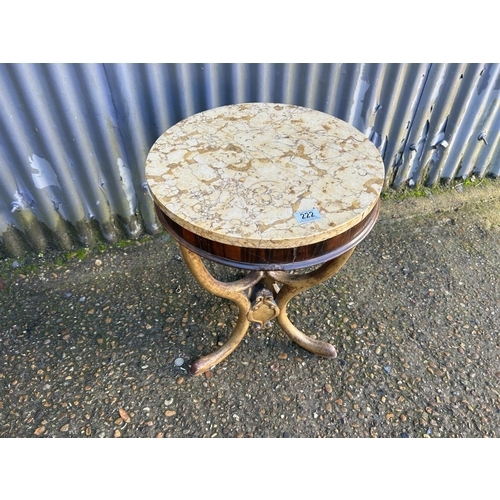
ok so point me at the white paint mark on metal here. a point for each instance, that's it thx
(128, 185)
(42, 173)
(19, 202)
(362, 87)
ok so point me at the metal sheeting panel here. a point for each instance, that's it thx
(458, 106)
(74, 137)
(67, 170)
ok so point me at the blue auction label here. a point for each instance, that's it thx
(307, 215)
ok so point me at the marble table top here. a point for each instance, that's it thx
(264, 175)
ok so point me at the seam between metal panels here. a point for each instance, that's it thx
(394, 169)
(114, 107)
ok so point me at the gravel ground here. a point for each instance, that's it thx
(98, 346)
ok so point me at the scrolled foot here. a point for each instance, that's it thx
(207, 362)
(237, 292)
(295, 284)
(318, 347)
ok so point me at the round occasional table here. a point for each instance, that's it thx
(268, 188)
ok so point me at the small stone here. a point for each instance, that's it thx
(170, 413)
(389, 416)
(98, 262)
(286, 435)
(65, 428)
(339, 401)
(402, 417)
(283, 355)
(179, 362)
(107, 320)
(39, 430)
(208, 375)
(328, 388)
(180, 380)
(405, 435)
(239, 435)
(328, 407)
(118, 421)
(124, 415)
(117, 433)
(88, 430)
(497, 374)
(160, 435)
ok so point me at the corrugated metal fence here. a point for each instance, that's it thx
(74, 137)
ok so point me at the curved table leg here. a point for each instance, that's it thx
(293, 284)
(237, 292)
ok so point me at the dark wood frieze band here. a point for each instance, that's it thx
(270, 258)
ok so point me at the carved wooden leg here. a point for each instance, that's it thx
(237, 292)
(293, 284)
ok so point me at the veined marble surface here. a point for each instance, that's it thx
(237, 174)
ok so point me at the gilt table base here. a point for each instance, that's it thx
(262, 296)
